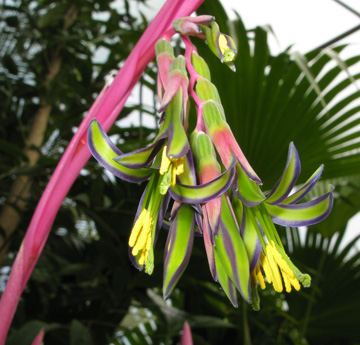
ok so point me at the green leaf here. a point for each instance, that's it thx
(79, 334)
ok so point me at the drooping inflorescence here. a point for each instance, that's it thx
(215, 190)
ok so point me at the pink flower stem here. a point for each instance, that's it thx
(194, 76)
(106, 109)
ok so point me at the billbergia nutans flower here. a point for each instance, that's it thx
(214, 189)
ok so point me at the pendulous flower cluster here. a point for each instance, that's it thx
(214, 190)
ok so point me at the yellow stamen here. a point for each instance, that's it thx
(140, 237)
(274, 264)
(177, 167)
(258, 276)
(165, 162)
(223, 44)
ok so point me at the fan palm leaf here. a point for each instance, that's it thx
(273, 100)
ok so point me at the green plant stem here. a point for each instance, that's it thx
(313, 293)
(247, 338)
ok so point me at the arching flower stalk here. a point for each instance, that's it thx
(214, 188)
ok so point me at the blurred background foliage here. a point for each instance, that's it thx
(54, 59)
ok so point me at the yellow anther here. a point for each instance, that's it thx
(165, 162)
(140, 237)
(273, 264)
(178, 169)
(258, 276)
(177, 166)
(223, 44)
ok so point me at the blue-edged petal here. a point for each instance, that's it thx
(140, 158)
(172, 128)
(245, 189)
(178, 144)
(104, 151)
(205, 192)
(288, 179)
(248, 232)
(231, 250)
(306, 188)
(225, 282)
(160, 221)
(304, 214)
(188, 177)
(209, 246)
(178, 248)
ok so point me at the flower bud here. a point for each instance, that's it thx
(204, 151)
(213, 115)
(220, 44)
(207, 91)
(164, 57)
(200, 66)
(190, 25)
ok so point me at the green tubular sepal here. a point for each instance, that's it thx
(206, 90)
(200, 66)
(178, 64)
(213, 115)
(164, 46)
(204, 148)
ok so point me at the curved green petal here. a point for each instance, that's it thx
(178, 248)
(249, 234)
(247, 190)
(104, 151)
(225, 281)
(231, 251)
(304, 214)
(205, 192)
(306, 187)
(172, 128)
(288, 179)
(140, 158)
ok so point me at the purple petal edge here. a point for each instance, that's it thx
(102, 162)
(308, 186)
(183, 199)
(284, 222)
(155, 147)
(292, 149)
(184, 263)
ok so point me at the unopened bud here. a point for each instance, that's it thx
(207, 91)
(178, 64)
(190, 25)
(221, 45)
(200, 66)
(213, 115)
(204, 154)
(164, 46)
